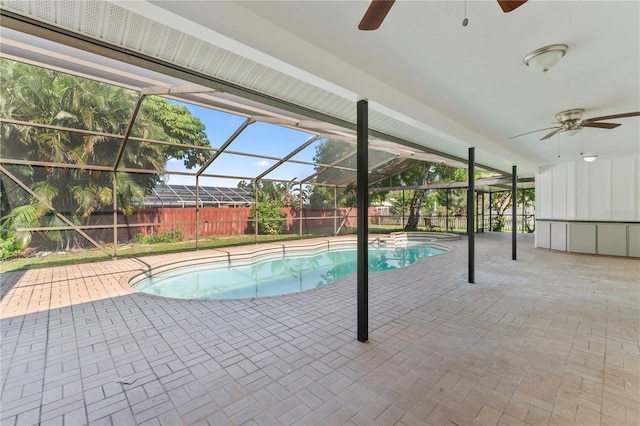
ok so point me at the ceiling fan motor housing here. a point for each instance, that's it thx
(574, 115)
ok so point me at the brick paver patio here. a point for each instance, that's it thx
(549, 339)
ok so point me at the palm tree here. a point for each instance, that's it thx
(302, 193)
(41, 96)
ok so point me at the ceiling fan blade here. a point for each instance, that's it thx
(609, 117)
(509, 5)
(548, 135)
(535, 131)
(375, 14)
(601, 125)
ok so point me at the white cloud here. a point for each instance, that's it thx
(262, 163)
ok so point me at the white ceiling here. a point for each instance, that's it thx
(427, 78)
(424, 65)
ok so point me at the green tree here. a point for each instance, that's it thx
(271, 198)
(501, 207)
(327, 153)
(302, 193)
(42, 96)
(280, 194)
(455, 202)
(271, 219)
(500, 202)
(527, 199)
(400, 201)
(422, 173)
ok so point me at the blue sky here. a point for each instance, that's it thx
(259, 138)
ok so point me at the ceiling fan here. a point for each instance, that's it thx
(571, 121)
(378, 10)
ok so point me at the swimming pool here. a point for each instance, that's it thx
(287, 271)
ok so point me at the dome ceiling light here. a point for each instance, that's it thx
(545, 58)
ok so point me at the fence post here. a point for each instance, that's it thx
(335, 210)
(197, 212)
(403, 206)
(255, 206)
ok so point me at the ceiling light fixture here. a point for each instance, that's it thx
(572, 132)
(589, 158)
(546, 57)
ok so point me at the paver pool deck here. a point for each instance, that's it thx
(552, 338)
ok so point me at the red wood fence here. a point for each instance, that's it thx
(218, 221)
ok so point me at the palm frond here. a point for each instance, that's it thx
(105, 196)
(55, 235)
(48, 192)
(62, 115)
(21, 217)
(86, 198)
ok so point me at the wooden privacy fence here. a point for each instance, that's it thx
(217, 221)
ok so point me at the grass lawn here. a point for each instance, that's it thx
(135, 249)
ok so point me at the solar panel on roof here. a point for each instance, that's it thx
(185, 195)
(207, 196)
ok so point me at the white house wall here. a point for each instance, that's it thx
(594, 206)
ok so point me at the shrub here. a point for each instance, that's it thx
(497, 223)
(173, 236)
(9, 247)
(271, 220)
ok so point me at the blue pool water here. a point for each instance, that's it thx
(275, 275)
